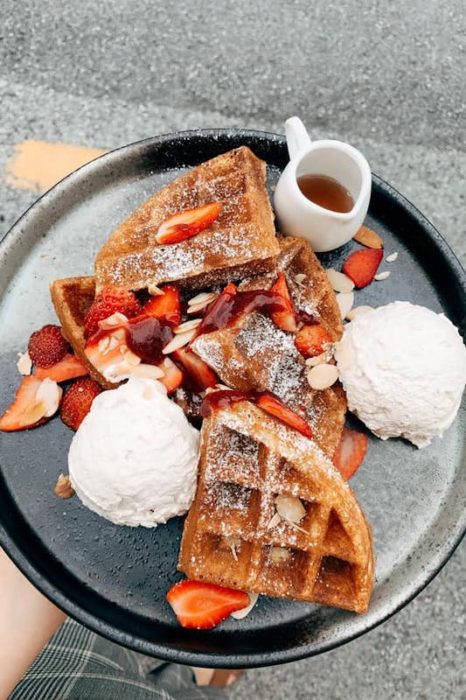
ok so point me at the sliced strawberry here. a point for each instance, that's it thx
(77, 402)
(204, 605)
(362, 265)
(47, 346)
(271, 404)
(198, 371)
(110, 300)
(350, 452)
(68, 368)
(286, 320)
(166, 306)
(36, 400)
(173, 376)
(188, 223)
(311, 340)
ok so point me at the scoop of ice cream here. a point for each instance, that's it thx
(134, 457)
(403, 368)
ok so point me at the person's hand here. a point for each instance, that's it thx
(27, 622)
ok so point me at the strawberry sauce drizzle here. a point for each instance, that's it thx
(231, 304)
(147, 336)
(264, 399)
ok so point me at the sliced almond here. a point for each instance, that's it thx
(240, 614)
(222, 387)
(132, 359)
(202, 298)
(154, 290)
(339, 281)
(179, 341)
(113, 342)
(119, 334)
(24, 363)
(123, 349)
(274, 521)
(368, 237)
(104, 344)
(115, 319)
(193, 310)
(49, 393)
(382, 276)
(358, 311)
(279, 555)
(392, 257)
(147, 371)
(322, 376)
(299, 278)
(63, 488)
(196, 308)
(345, 301)
(320, 359)
(290, 508)
(187, 326)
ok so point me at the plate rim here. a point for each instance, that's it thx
(255, 659)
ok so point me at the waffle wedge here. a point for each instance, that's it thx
(255, 354)
(248, 459)
(71, 298)
(240, 242)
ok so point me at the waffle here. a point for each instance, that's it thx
(307, 282)
(256, 354)
(72, 298)
(241, 242)
(247, 459)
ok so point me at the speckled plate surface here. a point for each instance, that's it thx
(114, 579)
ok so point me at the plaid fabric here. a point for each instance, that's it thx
(79, 665)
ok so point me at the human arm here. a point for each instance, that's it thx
(27, 622)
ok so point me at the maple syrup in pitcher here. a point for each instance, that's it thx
(326, 192)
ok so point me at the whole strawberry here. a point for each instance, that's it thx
(108, 302)
(77, 402)
(47, 346)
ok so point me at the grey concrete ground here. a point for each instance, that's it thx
(388, 77)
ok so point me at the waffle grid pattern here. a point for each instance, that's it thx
(233, 543)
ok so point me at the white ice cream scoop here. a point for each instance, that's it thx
(403, 368)
(134, 457)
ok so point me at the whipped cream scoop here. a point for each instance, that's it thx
(403, 368)
(134, 457)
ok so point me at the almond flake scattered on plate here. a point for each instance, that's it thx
(339, 281)
(358, 311)
(345, 301)
(24, 363)
(368, 237)
(63, 488)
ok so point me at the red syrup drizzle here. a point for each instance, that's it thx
(305, 318)
(264, 399)
(223, 398)
(147, 336)
(231, 304)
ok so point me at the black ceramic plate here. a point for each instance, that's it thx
(114, 579)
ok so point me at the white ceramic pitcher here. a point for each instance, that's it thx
(298, 216)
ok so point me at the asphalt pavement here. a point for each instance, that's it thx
(387, 77)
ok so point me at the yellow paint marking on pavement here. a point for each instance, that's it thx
(38, 165)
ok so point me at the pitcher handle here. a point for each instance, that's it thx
(297, 138)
